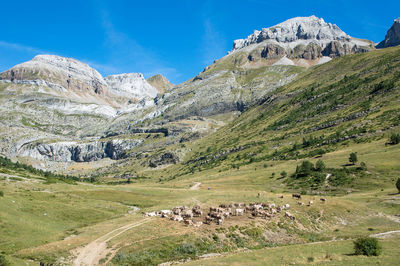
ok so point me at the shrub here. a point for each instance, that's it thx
(1, 193)
(4, 261)
(398, 184)
(363, 166)
(394, 139)
(353, 158)
(367, 246)
(283, 174)
(320, 166)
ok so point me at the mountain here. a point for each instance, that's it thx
(392, 37)
(259, 64)
(62, 75)
(160, 82)
(93, 118)
(55, 109)
(300, 41)
(75, 80)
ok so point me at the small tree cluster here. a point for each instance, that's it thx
(306, 168)
(367, 246)
(398, 184)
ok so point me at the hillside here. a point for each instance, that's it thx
(349, 102)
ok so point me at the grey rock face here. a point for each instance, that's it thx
(392, 37)
(79, 152)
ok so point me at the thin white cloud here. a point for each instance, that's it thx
(22, 48)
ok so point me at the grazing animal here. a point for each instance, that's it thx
(209, 220)
(310, 203)
(198, 224)
(239, 212)
(300, 203)
(165, 213)
(150, 214)
(188, 222)
(290, 216)
(176, 218)
(323, 199)
(297, 196)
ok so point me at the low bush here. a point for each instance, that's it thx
(367, 246)
(394, 139)
(4, 261)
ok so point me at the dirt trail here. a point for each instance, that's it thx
(196, 186)
(385, 234)
(93, 252)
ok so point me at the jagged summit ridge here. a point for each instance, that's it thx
(299, 28)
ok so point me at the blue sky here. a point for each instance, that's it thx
(174, 38)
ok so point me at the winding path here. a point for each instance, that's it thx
(96, 250)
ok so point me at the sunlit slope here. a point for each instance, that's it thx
(350, 100)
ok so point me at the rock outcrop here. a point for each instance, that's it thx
(392, 37)
(78, 152)
(160, 82)
(132, 85)
(308, 38)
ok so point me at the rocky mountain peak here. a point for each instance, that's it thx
(302, 41)
(295, 29)
(68, 67)
(132, 85)
(60, 73)
(392, 37)
(160, 82)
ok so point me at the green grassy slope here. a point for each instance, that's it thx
(347, 103)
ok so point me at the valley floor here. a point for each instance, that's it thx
(50, 221)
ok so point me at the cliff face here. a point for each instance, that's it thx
(79, 152)
(392, 37)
